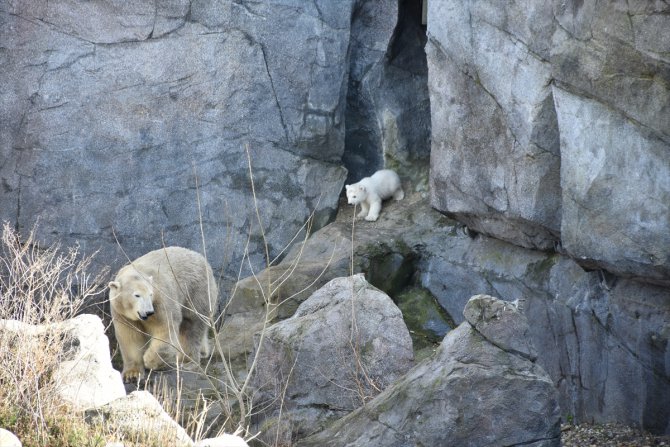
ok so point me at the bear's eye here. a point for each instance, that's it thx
(137, 295)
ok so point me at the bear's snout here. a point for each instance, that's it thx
(144, 315)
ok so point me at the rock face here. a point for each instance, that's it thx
(495, 159)
(140, 417)
(84, 376)
(344, 344)
(601, 338)
(473, 392)
(130, 121)
(388, 111)
(574, 149)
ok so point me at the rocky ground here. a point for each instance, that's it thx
(609, 435)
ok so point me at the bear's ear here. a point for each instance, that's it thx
(362, 188)
(114, 285)
(347, 186)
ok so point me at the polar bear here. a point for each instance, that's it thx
(370, 192)
(161, 303)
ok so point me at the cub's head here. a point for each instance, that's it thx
(356, 193)
(132, 296)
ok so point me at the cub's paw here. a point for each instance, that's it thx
(132, 375)
(371, 218)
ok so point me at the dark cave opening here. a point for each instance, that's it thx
(388, 108)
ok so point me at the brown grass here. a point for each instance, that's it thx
(38, 286)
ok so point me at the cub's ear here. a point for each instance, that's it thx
(114, 285)
(347, 186)
(362, 188)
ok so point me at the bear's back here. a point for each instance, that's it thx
(384, 182)
(178, 271)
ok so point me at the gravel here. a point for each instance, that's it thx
(609, 435)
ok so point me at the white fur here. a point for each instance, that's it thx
(157, 303)
(370, 191)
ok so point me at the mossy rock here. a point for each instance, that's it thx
(426, 320)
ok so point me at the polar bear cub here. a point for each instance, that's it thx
(160, 303)
(370, 191)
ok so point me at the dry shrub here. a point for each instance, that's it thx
(38, 286)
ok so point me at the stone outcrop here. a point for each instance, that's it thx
(481, 388)
(343, 345)
(388, 111)
(140, 417)
(127, 123)
(593, 331)
(550, 127)
(84, 377)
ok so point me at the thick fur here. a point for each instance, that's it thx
(160, 306)
(370, 191)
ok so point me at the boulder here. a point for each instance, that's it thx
(140, 417)
(84, 377)
(584, 324)
(345, 344)
(224, 440)
(377, 251)
(8, 439)
(473, 392)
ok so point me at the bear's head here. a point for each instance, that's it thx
(356, 193)
(132, 296)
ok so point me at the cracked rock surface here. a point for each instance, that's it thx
(551, 127)
(344, 344)
(118, 117)
(471, 393)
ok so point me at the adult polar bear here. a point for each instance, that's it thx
(160, 304)
(370, 191)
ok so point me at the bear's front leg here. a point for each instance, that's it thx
(163, 349)
(375, 208)
(132, 341)
(364, 210)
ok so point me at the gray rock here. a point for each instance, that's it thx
(388, 110)
(550, 123)
(117, 119)
(471, 393)
(140, 417)
(386, 259)
(502, 324)
(615, 178)
(344, 344)
(84, 375)
(495, 159)
(593, 331)
(608, 54)
(585, 325)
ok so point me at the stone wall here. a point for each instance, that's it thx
(128, 122)
(551, 127)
